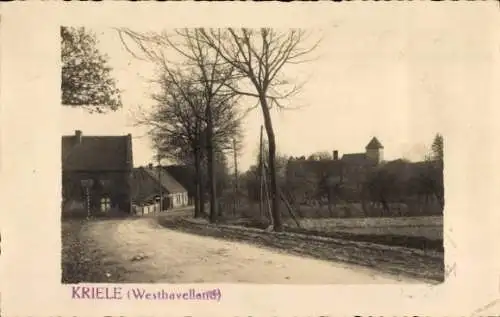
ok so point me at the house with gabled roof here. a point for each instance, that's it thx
(152, 182)
(186, 176)
(96, 173)
(146, 192)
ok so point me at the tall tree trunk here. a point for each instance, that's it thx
(202, 187)
(198, 211)
(211, 167)
(365, 201)
(330, 199)
(201, 179)
(236, 189)
(261, 175)
(385, 206)
(275, 204)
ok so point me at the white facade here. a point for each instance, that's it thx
(146, 209)
(179, 199)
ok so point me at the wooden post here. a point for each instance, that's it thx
(287, 204)
(235, 177)
(264, 190)
(87, 183)
(268, 199)
(88, 202)
(159, 181)
(261, 173)
(289, 207)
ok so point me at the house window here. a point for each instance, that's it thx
(105, 204)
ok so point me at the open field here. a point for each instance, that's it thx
(424, 232)
(429, 227)
(380, 222)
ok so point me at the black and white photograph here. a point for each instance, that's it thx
(249, 155)
(197, 159)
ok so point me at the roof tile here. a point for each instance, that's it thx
(168, 182)
(96, 153)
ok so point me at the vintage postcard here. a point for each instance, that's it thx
(185, 159)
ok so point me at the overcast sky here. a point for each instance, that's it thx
(379, 79)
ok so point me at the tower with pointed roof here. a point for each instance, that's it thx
(375, 150)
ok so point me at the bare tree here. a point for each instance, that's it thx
(178, 130)
(214, 76)
(176, 127)
(260, 56)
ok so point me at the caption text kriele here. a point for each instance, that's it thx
(140, 293)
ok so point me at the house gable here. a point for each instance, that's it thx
(184, 175)
(96, 153)
(104, 160)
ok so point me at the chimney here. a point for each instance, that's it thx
(150, 165)
(78, 136)
(335, 155)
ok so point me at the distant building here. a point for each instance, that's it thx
(317, 179)
(150, 183)
(186, 176)
(96, 173)
(375, 150)
(146, 192)
(350, 170)
(374, 153)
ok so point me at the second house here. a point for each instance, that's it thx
(152, 182)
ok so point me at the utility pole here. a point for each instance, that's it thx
(159, 182)
(264, 190)
(235, 177)
(261, 173)
(88, 202)
(87, 184)
(235, 164)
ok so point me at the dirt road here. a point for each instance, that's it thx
(141, 251)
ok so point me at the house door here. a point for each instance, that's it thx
(165, 203)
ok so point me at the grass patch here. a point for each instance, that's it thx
(81, 260)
